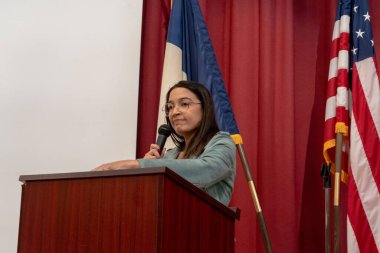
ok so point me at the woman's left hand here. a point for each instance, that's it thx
(119, 165)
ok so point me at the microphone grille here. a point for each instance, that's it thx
(165, 130)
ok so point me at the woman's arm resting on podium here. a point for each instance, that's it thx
(119, 165)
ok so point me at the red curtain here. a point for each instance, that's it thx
(274, 57)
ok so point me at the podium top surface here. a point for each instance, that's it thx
(95, 174)
(233, 212)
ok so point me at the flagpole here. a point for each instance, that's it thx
(255, 198)
(325, 173)
(338, 162)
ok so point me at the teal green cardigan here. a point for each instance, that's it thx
(213, 171)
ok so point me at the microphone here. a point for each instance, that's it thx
(163, 133)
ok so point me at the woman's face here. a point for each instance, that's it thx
(185, 112)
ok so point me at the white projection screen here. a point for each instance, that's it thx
(68, 91)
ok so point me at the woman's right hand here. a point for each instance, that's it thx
(154, 152)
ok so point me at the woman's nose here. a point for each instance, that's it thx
(176, 110)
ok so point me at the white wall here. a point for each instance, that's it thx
(68, 91)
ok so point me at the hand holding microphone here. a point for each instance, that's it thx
(156, 150)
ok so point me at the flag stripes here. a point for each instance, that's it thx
(353, 109)
(337, 101)
(365, 150)
(359, 235)
(367, 120)
(363, 204)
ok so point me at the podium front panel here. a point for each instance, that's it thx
(142, 211)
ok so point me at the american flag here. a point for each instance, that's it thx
(338, 93)
(363, 229)
(359, 84)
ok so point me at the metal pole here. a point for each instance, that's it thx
(325, 173)
(338, 162)
(255, 199)
(327, 221)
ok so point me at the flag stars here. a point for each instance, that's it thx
(367, 17)
(354, 51)
(372, 43)
(356, 9)
(360, 33)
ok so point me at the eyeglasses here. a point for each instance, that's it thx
(183, 105)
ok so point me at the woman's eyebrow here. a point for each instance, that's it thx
(184, 98)
(180, 99)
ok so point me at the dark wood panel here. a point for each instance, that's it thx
(233, 212)
(199, 227)
(98, 215)
(151, 210)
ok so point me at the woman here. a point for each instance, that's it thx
(203, 155)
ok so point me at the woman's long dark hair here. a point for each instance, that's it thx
(208, 126)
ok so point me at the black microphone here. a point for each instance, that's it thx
(163, 133)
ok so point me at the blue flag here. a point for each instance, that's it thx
(189, 42)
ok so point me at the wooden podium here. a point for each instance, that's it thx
(142, 211)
